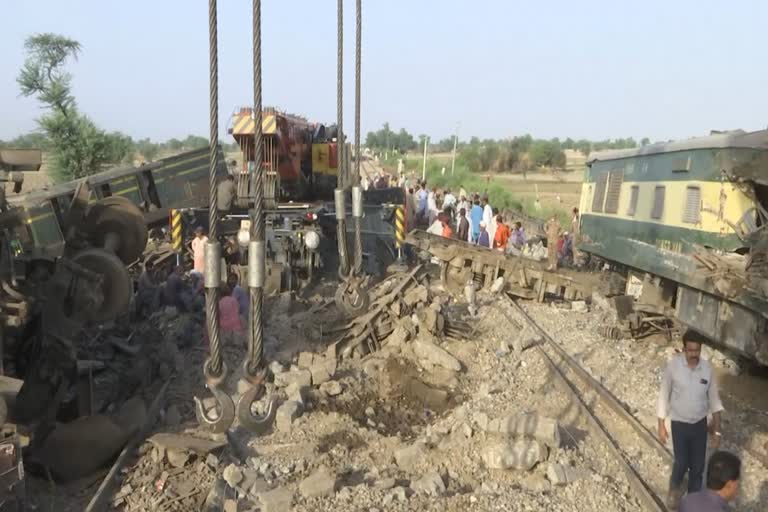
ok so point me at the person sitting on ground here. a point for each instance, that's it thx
(517, 238)
(230, 323)
(239, 293)
(723, 476)
(147, 299)
(464, 232)
(483, 240)
(173, 289)
(501, 237)
(231, 326)
(476, 216)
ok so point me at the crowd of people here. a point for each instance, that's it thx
(471, 218)
(185, 291)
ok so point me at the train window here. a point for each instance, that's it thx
(658, 202)
(634, 192)
(682, 164)
(692, 211)
(615, 179)
(599, 198)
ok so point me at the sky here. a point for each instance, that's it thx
(580, 69)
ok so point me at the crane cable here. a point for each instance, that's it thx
(214, 363)
(356, 176)
(341, 227)
(256, 332)
(214, 368)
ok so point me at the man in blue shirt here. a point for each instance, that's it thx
(722, 485)
(476, 216)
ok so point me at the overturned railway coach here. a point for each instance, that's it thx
(686, 222)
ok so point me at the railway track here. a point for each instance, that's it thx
(643, 459)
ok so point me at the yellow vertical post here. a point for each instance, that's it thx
(399, 229)
(176, 233)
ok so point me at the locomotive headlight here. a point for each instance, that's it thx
(243, 237)
(311, 240)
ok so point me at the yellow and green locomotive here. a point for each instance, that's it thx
(686, 221)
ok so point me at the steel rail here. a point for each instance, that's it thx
(649, 499)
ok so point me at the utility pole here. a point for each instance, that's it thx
(424, 164)
(455, 141)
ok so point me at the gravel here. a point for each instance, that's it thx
(367, 439)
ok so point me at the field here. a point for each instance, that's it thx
(539, 193)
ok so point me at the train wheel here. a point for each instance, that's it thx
(116, 224)
(116, 286)
(271, 190)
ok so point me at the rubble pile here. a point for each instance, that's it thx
(440, 416)
(424, 403)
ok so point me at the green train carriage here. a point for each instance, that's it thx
(180, 181)
(655, 210)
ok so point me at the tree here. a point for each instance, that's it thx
(547, 153)
(174, 144)
(195, 142)
(645, 141)
(148, 149)
(445, 145)
(405, 141)
(79, 147)
(583, 146)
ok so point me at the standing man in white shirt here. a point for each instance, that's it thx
(488, 217)
(688, 394)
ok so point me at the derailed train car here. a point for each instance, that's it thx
(64, 254)
(686, 222)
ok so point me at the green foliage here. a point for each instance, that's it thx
(547, 153)
(148, 149)
(79, 147)
(32, 140)
(385, 139)
(195, 142)
(444, 145)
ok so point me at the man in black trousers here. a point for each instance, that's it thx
(688, 394)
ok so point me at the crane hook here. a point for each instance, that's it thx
(255, 423)
(351, 298)
(226, 415)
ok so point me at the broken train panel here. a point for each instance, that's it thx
(686, 223)
(462, 263)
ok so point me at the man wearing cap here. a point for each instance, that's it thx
(483, 240)
(688, 393)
